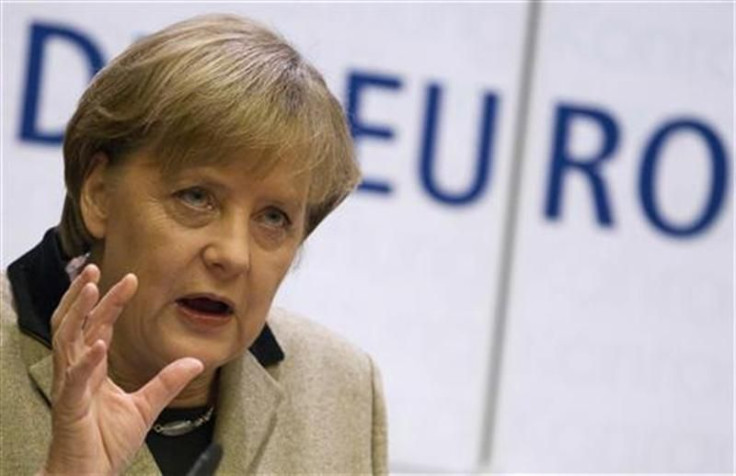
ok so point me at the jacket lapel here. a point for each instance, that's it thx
(42, 374)
(246, 414)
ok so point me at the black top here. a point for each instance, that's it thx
(39, 280)
(175, 455)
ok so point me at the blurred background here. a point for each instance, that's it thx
(541, 254)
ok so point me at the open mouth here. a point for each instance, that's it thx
(206, 305)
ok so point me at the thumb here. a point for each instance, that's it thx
(161, 389)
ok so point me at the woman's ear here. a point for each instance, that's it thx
(94, 197)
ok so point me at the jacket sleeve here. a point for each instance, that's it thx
(379, 430)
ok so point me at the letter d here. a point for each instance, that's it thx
(41, 35)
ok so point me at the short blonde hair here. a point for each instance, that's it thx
(201, 91)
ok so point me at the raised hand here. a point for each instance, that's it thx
(96, 426)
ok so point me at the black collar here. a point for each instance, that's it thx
(39, 280)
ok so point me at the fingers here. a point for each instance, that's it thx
(81, 321)
(96, 320)
(78, 375)
(70, 326)
(90, 274)
(161, 389)
(67, 342)
(104, 315)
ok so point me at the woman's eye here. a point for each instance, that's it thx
(196, 197)
(275, 218)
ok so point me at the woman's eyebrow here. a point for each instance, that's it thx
(281, 193)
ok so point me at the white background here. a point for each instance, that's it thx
(618, 344)
(638, 374)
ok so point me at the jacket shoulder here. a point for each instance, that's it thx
(310, 343)
(333, 419)
(25, 423)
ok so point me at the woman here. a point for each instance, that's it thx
(141, 329)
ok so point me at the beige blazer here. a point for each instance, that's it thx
(318, 411)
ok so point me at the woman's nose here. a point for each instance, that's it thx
(228, 250)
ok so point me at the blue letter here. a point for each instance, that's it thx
(649, 173)
(41, 34)
(563, 161)
(356, 83)
(484, 161)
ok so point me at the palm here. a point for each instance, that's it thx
(97, 426)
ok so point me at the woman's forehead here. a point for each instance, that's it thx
(259, 161)
(245, 168)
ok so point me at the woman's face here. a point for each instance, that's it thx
(209, 245)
